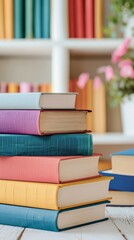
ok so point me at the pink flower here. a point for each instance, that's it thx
(109, 73)
(101, 69)
(124, 63)
(97, 82)
(127, 71)
(121, 50)
(82, 80)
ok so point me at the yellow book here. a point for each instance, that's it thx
(8, 18)
(89, 105)
(54, 196)
(13, 87)
(98, 18)
(99, 109)
(1, 19)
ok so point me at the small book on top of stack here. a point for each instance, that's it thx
(48, 180)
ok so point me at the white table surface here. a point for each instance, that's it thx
(119, 226)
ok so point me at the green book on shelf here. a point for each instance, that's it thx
(37, 18)
(28, 18)
(53, 145)
(45, 19)
(18, 18)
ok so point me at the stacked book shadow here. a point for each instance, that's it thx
(48, 173)
(122, 187)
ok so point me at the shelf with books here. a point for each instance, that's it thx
(25, 47)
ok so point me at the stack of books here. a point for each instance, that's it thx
(48, 173)
(122, 187)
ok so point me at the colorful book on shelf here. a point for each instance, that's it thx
(99, 109)
(53, 145)
(121, 182)
(45, 87)
(49, 169)
(8, 19)
(54, 196)
(98, 18)
(37, 100)
(43, 122)
(123, 162)
(28, 18)
(72, 19)
(45, 19)
(1, 19)
(18, 19)
(50, 220)
(89, 103)
(11, 88)
(121, 198)
(3, 87)
(37, 18)
(89, 18)
(79, 8)
(25, 87)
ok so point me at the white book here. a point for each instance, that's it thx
(37, 100)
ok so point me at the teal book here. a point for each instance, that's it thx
(52, 220)
(37, 18)
(18, 19)
(45, 19)
(52, 145)
(28, 18)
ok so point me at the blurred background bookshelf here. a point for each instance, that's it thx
(55, 58)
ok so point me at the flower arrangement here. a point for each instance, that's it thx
(119, 81)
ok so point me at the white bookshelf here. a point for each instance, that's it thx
(112, 139)
(53, 59)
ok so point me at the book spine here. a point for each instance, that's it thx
(79, 7)
(18, 19)
(3, 87)
(53, 145)
(89, 18)
(29, 194)
(13, 87)
(25, 87)
(1, 19)
(30, 169)
(37, 18)
(28, 18)
(72, 19)
(98, 19)
(45, 19)
(28, 217)
(8, 18)
(19, 121)
(8, 101)
(89, 104)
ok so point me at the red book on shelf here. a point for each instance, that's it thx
(79, 8)
(72, 18)
(89, 18)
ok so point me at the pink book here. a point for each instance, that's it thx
(3, 87)
(40, 122)
(89, 18)
(48, 169)
(25, 87)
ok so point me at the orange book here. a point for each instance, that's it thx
(8, 18)
(79, 8)
(99, 109)
(89, 18)
(13, 87)
(81, 97)
(1, 19)
(98, 18)
(72, 19)
(45, 87)
(89, 103)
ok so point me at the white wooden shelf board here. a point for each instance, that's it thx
(25, 47)
(92, 46)
(112, 139)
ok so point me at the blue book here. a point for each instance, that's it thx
(52, 220)
(45, 19)
(28, 18)
(18, 18)
(120, 182)
(37, 18)
(129, 152)
(52, 145)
